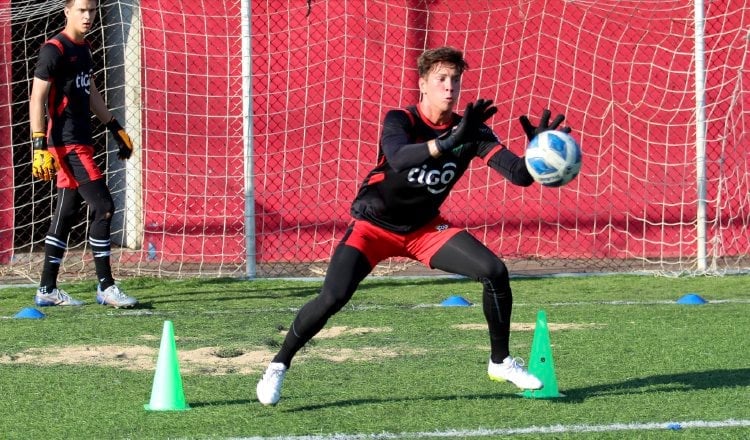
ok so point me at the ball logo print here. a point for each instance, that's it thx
(553, 158)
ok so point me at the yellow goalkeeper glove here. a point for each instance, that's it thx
(43, 166)
(122, 138)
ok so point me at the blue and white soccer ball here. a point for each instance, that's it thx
(553, 158)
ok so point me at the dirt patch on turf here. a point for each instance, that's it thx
(335, 332)
(529, 326)
(222, 360)
(206, 360)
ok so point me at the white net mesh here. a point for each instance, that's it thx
(323, 74)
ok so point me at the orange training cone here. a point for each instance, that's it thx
(167, 393)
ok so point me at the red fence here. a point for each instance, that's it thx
(6, 160)
(325, 73)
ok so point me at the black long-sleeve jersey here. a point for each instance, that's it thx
(69, 67)
(407, 186)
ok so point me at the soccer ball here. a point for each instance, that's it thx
(553, 158)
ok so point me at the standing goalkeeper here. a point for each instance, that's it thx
(424, 150)
(64, 94)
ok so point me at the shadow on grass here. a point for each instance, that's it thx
(224, 403)
(698, 380)
(371, 401)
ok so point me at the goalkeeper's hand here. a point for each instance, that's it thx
(474, 116)
(122, 138)
(544, 124)
(43, 165)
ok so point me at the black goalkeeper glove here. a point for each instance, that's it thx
(474, 115)
(544, 125)
(122, 138)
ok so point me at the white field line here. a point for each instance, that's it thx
(553, 429)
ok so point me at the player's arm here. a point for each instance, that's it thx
(395, 142)
(37, 102)
(512, 166)
(99, 108)
(468, 129)
(508, 164)
(401, 154)
(97, 104)
(43, 165)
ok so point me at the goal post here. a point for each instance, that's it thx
(256, 121)
(122, 50)
(251, 270)
(700, 137)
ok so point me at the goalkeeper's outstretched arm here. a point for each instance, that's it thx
(511, 166)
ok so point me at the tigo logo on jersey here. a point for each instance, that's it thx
(436, 180)
(441, 227)
(83, 81)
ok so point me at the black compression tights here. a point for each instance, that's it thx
(465, 255)
(348, 267)
(97, 196)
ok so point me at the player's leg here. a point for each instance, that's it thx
(465, 255)
(348, 267)
(97, 196)
(55, 246)
(101, 207)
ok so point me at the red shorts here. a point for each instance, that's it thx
(77, 165)
(377, 243)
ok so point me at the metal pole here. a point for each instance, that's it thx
(247, 135)
(700, 134)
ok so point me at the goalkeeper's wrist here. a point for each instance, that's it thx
(38, 140)
(113, 125)
(444, 145)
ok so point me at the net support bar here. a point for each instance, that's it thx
(700, 134)
(247, 135)
(133, 168)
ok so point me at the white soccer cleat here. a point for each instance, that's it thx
(114, 297)
(512, 370)
(57, 297)
(268, 389)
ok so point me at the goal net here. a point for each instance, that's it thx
(256, 121)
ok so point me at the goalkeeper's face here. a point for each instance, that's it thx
(440, 88)
(80, 15)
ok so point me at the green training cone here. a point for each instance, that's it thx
(167, 393)
(541, 363)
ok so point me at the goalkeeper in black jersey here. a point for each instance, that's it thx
(63, 96)
(424, 150)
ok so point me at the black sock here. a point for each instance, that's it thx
(54, 250)
(101, 250)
